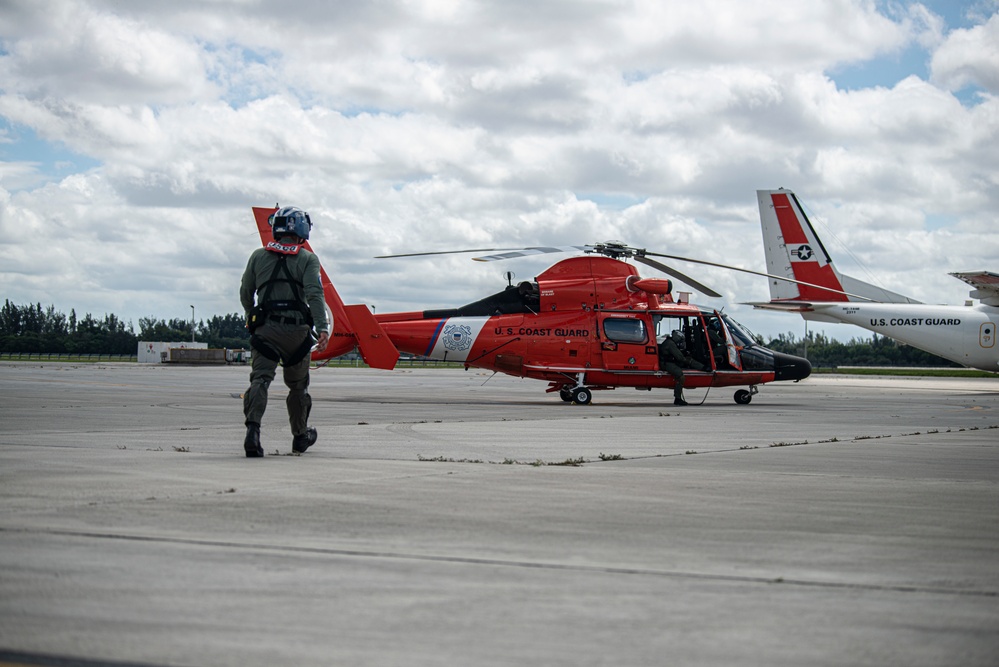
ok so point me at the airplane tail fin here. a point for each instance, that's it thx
(351, 326)
(793, 250)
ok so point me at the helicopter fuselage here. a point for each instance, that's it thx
(594, 322)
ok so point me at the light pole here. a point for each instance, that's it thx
(192, 323)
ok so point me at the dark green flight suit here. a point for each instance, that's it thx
(284, 332)
(673, 360)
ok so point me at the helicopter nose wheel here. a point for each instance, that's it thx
(743, 397)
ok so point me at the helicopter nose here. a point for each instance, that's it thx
(790, 367)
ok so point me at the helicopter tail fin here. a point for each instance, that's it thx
(794, 250)
(352, 326)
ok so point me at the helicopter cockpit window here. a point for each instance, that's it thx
(666, 325)
(742, 335)
(621, 330)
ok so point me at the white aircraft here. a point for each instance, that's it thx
(803, 280)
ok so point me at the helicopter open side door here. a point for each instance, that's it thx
(720, 335)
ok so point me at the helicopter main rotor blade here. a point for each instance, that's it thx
(687, 280)
(539, 250)
(759, 273)
(442, 252)
(504, 253)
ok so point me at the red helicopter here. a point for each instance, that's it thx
(585, 324)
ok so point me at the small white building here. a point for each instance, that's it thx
(159, 352)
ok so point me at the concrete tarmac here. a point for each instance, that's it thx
(455, 517)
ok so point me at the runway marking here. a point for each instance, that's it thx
(522, 564)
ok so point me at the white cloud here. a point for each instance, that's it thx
(969, 58)
(72, 51)
(19, 175)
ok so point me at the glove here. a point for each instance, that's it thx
(324, 339)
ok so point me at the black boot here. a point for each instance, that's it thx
(252, 442)
(678, 399)
(304, 440)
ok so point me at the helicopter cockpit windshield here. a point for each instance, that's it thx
(743, 336)
(752, 355)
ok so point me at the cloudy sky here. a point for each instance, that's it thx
(135, 137)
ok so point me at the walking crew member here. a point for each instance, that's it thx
(284, 278)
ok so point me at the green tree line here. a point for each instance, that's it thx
(825, 352)
(32, 328)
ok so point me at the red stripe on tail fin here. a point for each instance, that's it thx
(808, 259)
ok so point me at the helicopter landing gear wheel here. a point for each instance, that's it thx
(565, 393)
(582, 396)
(743, 397)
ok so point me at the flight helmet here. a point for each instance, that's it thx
(290, 221)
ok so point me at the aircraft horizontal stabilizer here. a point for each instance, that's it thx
(986, 285)
(813, 311)
(375, 346)
(784, 306)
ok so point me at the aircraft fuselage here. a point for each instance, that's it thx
(962, 334)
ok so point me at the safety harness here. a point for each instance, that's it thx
(267, 308)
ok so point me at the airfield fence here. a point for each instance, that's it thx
(405, 362)
(62, 356)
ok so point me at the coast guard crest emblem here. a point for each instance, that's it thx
(457, 337)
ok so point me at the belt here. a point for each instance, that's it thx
(284, 320)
